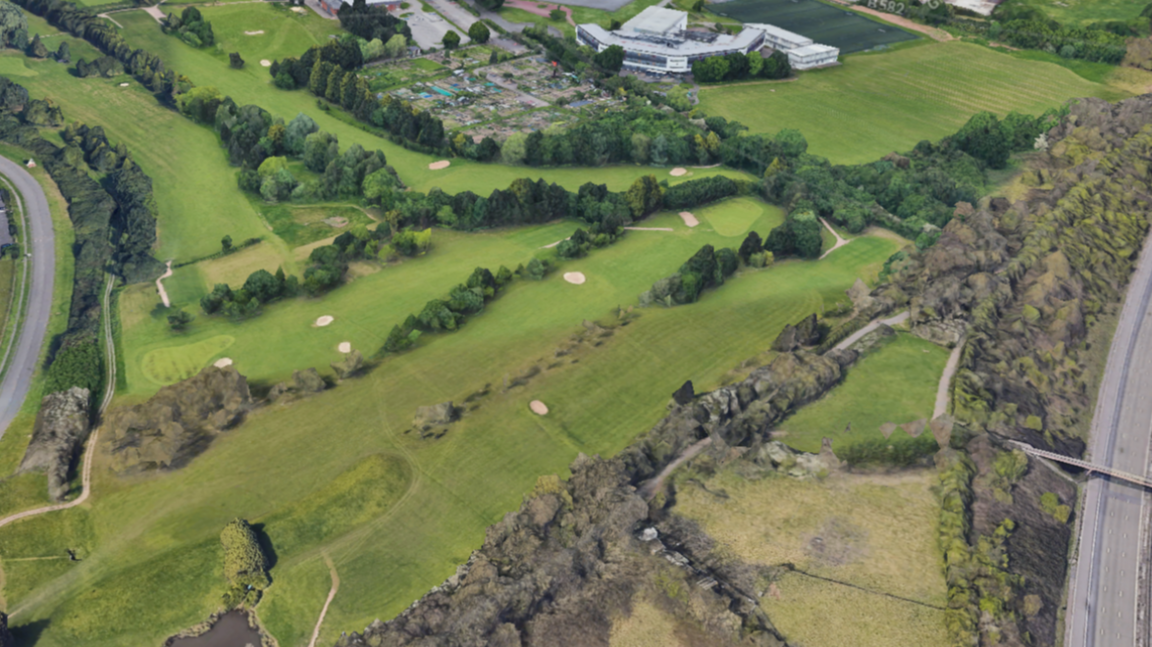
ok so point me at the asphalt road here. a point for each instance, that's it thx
(40, 241)
(1108, 592)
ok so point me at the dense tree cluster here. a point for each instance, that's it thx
(245, 564)
(105, 66)
(706, 269)
(371, 22)
(344, 53)
(114, 227)
(85, 24)
(13, 26)
(463, 301)
(191, 27)
(260, 288)
(799, 235)
(738, 67)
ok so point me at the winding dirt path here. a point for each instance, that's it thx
(654, 485)
(946, 381)
(840, 242)
(872, 325)
(331, 594)
(160, 286)
(90, 447)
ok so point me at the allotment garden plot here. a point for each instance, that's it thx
(823, 23)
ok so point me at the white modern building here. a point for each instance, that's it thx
(810, 56)
(658, 40)
(778, 38)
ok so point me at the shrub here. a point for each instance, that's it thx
(900, 452)
(244, 564)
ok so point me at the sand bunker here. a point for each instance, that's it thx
(689, 219)
(678, 171)
(324, 321)
(436, 166)
(123, 85)
(336, 221)
(299, 9)
(258, 32)
(265, 62)
(222, 362)
(538, 408)
(345, 347)
(575, 278)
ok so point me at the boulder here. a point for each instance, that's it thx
(308, 381)
(61, 427)
(179, 422)
(352, 363)
(685, 394)
(438, 414)
(786, 341)
(860, 295)
(945, 332)
(808, 331)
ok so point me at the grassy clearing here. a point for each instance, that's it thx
(300, 225)
(1089, 11)
(286, 33)
(733, 218)
(876, 103)
(28, 490)
(907, 366)
(876, 532)
(157, 543)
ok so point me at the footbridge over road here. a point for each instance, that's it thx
(1084, 465)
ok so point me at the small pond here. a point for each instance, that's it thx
(231, 630)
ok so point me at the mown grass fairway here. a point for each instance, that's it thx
(285, 32)
(895, 382)
(155, 561)
(171, 364)
(876, 103)
(877, 532)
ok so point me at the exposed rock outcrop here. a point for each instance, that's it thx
(179, 422)
(685, 394)
(805, 333)
(435, 415)
(302, 382)
(62, 426)
(349, 366)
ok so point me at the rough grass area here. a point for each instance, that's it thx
(157, 565)
(874, 531)
(876, 103)
(300, 225)
(8, 291)
(894, 383)
(1089, 11)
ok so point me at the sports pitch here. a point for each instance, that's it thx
(835, 26)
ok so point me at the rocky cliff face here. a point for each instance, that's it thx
(62, 426)
(179, 422)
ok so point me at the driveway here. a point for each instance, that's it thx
(38, 239)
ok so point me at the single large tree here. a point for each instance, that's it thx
(37, 48)
(611, 59)
(451, 40)
(479, 32)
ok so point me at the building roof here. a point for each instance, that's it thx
(812, 50)
(655, 20)
(781, 35)
(673, 46)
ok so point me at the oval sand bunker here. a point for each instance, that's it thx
(325, 320)
(678, 171)
(575, 278)
(265, 62)
(344, 347)
(538, 408)
(436, 166)
(222, 362)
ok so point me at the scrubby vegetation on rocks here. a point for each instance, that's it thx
(62, 426)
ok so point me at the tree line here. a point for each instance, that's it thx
(739, 67)
(191, 27)
(114, 226)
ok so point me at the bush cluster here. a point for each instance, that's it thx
(245, 565)
(706, 269)
(191, 27)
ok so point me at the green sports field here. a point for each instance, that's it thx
(875, 103)
(909, 369)
(837, 26)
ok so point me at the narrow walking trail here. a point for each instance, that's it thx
(90, 446)
(946, 380)
(840, 242)
(872, 325)
(160, 286)
(331, 594)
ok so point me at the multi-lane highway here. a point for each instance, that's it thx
(1108, 591)
(39, 240)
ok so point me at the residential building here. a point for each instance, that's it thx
(780, 39)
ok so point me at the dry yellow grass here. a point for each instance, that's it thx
(136, 304)
(648, 626)
(873, 531)
(234, 268)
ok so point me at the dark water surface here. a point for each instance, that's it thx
(231, 630)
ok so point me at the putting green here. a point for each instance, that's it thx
(734, 217)
(174, 363)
